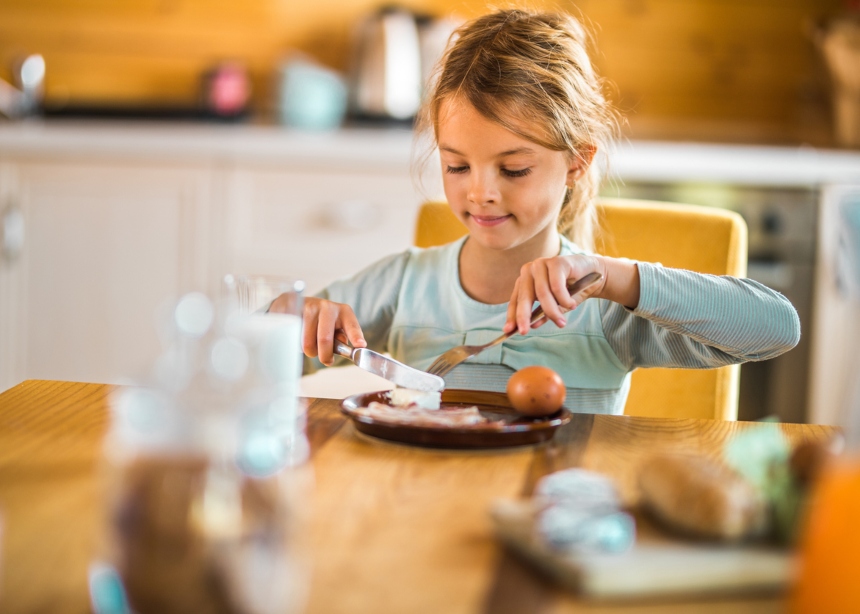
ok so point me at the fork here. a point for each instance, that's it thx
(453, 357)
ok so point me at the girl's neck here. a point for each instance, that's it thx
(488, 275)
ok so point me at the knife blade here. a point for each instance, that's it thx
(402, 375)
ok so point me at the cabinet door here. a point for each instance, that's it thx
(105, 246)
(11, 278)
(317, 226)
(834, 389)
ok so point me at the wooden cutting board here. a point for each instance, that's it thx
(657, 565)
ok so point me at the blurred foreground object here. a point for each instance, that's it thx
(756, 493)
(575, 529)
(207, 464)
(580, 511)
(830, 542)
(839, 42)
(310, 96)
(702, 498)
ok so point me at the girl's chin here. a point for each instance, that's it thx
(504, 236)
(492, 238)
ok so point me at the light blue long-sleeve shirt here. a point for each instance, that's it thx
(412, 306)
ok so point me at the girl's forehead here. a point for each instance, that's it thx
(458, 121)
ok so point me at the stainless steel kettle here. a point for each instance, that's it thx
(385, 77)
(394, 54)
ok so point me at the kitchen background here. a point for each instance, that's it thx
(739, 70)
(729, 103)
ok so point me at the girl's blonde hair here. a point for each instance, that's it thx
(530, 73)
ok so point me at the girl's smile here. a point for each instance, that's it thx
(489, 221)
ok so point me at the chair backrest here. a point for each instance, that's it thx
(701, 239)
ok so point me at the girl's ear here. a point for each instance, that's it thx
(579, 163)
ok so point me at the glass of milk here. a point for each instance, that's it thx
(265, 316)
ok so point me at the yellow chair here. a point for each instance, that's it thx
(690, 237)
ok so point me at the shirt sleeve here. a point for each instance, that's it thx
(692, 320)
(372, 294)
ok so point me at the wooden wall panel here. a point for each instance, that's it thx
(739, 66)
(736, 61)
(100, 51)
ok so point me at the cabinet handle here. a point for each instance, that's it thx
(12, 232)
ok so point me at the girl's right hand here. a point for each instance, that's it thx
(321, 321)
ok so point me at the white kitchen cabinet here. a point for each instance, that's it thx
(105, 243)
(121, 220)
(834, 368)
(316, 224)
(11, 278)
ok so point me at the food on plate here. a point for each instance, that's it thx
(404, 397)
(418, 416)
(536, 391)
(702, 497)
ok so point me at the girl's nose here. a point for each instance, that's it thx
(482, 190)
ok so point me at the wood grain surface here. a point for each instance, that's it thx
(395, 528)
(677, 68)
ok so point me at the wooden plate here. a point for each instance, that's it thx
(516, 430)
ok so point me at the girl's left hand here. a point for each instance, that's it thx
(545, 280)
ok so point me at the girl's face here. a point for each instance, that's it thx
(507, 190)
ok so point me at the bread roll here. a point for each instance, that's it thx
(700, 497)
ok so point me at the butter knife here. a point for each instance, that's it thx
(390, 369)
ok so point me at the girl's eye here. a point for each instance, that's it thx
(456, 170)
(518, 173)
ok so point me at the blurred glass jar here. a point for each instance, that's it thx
(208, 482)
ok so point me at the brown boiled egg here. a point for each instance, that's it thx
(536, 391)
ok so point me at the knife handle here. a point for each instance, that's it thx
(342, 349)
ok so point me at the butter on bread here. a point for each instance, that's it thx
(406, 397)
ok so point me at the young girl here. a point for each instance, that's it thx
(517, 114)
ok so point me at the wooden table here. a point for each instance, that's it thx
(395, 529)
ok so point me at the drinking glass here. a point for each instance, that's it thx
(275, 337)
(254, 293)
(209, 484)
